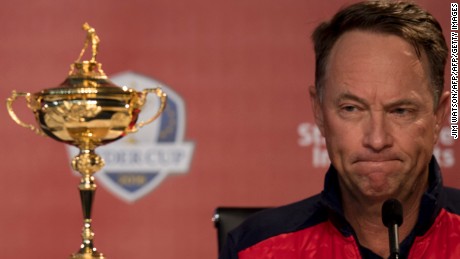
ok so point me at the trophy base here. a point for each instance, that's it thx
(94, 255)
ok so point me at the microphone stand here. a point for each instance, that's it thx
(392, 217)
(394, 241)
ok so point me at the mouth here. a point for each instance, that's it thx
(375, 159)
(377, 163)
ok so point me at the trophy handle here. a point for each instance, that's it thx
(9, 106)
(162, 96)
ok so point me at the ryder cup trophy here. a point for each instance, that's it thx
(87, 110)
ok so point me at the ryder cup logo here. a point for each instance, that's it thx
(139, 162)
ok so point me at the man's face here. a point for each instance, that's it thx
(377, 114)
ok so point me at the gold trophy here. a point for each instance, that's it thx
(87, 110)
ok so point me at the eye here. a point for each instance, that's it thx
(401, 111)
(350, 111)
(349, 108)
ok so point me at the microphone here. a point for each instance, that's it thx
(392, 217)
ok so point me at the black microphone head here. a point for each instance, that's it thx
(392, 212)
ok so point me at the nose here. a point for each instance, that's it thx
(377, 132)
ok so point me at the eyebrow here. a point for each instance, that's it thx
(352, 97)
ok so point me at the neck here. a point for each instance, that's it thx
(365, 218)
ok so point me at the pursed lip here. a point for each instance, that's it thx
(375, 159)
(377, 164)
(367, 167)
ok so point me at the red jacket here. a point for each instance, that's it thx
(316, 228)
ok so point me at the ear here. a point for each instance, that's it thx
(441, 112)
(316, 108)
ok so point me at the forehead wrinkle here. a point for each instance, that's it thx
(349, 70)
(366, 46)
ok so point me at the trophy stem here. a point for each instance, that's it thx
(87, 110)
(87, 163)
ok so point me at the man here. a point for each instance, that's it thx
(91, 38)
(379, 102)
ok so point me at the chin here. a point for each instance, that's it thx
(378, 194)
(379, 198)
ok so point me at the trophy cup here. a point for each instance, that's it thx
(87, 110)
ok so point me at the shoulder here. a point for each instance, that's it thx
(451, 200)
(275, 221)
